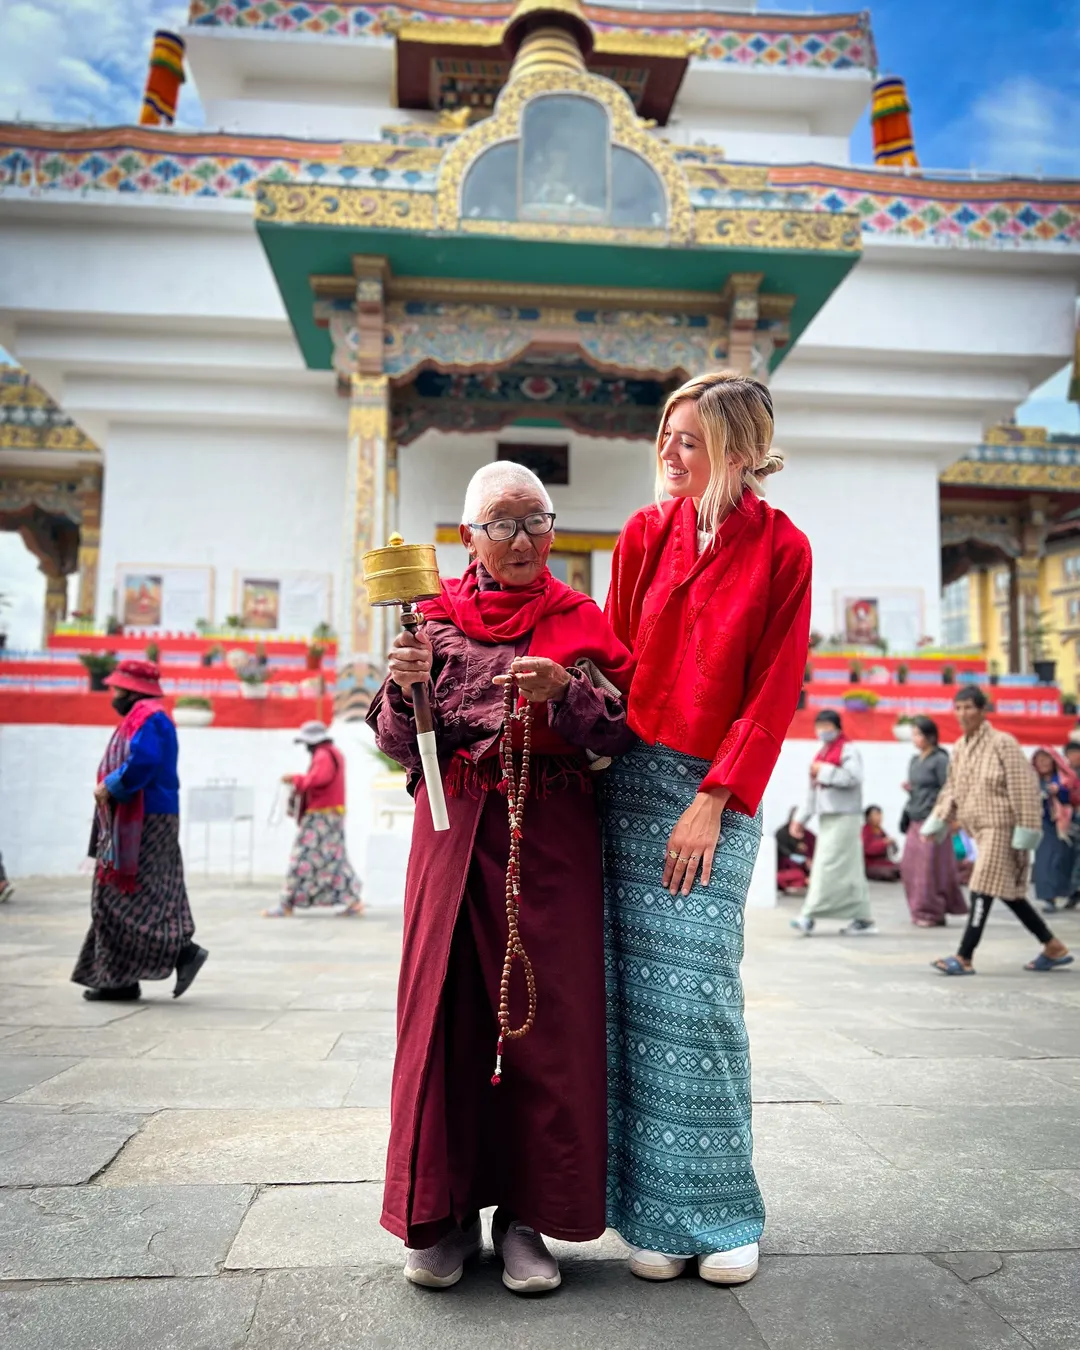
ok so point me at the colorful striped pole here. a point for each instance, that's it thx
(890, 120)
(163, 80)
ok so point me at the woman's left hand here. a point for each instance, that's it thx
(101, 794)
(539, 679)
(693, 841)
(289, 779)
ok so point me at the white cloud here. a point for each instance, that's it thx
(1023, 126)
(82, 60)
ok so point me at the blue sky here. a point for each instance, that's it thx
(994, 84)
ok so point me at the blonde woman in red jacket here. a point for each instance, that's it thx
(711, 591)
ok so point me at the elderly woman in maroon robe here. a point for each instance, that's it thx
(527, 1135)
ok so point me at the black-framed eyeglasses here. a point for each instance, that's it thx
(499, 531)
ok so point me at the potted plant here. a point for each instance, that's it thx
(113, 627)
(1037, 632)
(234, 623)
(192, 711)
(98, 665)
(902, 673)
(153, 652)
(995, 671)
(948, 675)
(313, 658)
(211, 655)
(902, 727)
(856, 672)
(1068, 705)
(252, 672)
(860, 700)
(5, 603)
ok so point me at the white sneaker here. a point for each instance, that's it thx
(734, 1267)
(804, 926)
(655, 1265)
(859, 928)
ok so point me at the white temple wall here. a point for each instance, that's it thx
(873, 526)
(57, 765)
(229, 498)
(312, 112)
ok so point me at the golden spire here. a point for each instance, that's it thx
(551, 35)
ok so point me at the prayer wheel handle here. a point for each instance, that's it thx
(421, 702)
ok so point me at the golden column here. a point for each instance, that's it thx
(741, 294)
(89, 542)
(56, 589)
(371, 483)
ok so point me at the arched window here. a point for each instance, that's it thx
(564, 170)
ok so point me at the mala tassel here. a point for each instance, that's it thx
(517, 789)
(496, 1077)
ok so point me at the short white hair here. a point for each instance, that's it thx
(495, 478)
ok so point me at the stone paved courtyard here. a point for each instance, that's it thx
(205, 1174)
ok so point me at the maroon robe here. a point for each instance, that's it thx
(537, 1144)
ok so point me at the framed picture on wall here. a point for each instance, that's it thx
(260, 603)
(290, 603)
(156, 596)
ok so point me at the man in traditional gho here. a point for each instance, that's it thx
(140, 921)
(710, 588)
(526, 1131)
(992, 792)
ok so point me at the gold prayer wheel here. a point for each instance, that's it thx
(401, 573)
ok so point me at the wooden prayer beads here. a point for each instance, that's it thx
(517, 787)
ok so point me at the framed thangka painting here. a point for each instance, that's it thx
(153, 596)
(290, 603)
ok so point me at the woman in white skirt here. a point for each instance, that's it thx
(838, 888)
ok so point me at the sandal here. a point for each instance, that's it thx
(951, 965)
(1044, 962)
(279, 911)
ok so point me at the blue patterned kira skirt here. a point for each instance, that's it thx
(680, 1148)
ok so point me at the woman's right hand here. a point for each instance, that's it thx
(796, 830)
(410, 659)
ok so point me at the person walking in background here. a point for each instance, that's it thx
(992, 792)
(838, 888)
(1059, 789)
(793, 857)
(1072, 758)
(140, 920)
(7, 890)
(879, 848)
(928, 868)
(320, 877)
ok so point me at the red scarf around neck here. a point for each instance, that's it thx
(119, 824)
(832, 752)
(566, 625)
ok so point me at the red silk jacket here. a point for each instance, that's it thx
(719, 639)
(322, 788)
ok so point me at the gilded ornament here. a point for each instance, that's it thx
(817, 230)
(374, 208)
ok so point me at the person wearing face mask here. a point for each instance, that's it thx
(529, 1138)
(711, 590)
(140, 920)
(838, 888)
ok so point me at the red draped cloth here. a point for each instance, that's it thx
(537, 1144)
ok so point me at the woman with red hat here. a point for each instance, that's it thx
(140, 921)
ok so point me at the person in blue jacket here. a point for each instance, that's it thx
(140, 920)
